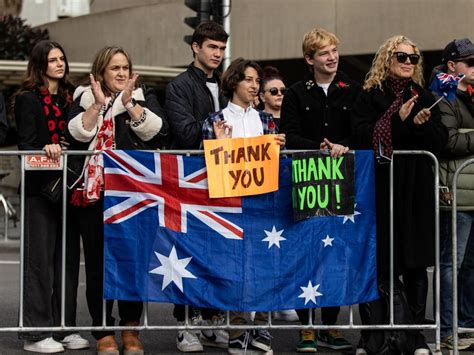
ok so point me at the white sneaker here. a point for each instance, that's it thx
(217, 338)
(289, 315)
(75, 342)
(422, 352)
(187, 341)
(46, 346)
(361, 351)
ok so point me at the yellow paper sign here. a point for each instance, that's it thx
(242, 166)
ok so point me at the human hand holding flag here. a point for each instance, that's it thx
(445, 85)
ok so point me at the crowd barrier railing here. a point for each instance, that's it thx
(456, 328)
(227, 326)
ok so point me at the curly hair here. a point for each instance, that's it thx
(380, 69)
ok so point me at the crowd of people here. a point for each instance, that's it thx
(326, 109)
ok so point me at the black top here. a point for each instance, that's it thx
(188, 102)
(308, 115)
(33, 134)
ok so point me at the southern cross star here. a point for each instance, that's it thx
(350, 217)
(310, 293)
(173, 269)
(327, 241)
(273, 237)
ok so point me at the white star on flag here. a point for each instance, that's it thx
(310, 293)
(173, 269)
(350, 217)
(273, 237)
(327, 241)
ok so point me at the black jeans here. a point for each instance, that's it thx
(328, 315)
(89, 221)
(42, 266)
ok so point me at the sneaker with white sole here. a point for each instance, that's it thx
(243, 345)
(45, 346)
(75, 342)
(187, 341)
(422, 351)
(448, 343)
(467, 337)
(262, 339)
(333, 339)
(217, 338)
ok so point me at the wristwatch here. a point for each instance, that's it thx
(131, 104)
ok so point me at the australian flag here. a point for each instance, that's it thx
(446, 85)
(167, 241)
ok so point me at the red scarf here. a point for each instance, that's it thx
(53, 114)
(382, 136)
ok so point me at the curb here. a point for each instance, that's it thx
(10, 246)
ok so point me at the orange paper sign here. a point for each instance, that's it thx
(242, 166)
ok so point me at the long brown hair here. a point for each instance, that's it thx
(35, 76)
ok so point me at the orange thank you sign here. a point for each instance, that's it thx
(242, 166)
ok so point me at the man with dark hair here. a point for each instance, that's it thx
(241, 84)
(315, 114)
(190, 97)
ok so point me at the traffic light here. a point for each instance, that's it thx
(203, 14)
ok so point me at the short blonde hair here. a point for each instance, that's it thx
(318, 38)
(380, 69)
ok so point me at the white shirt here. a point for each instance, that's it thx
(214, 89)
(325, 87)
(245, 123)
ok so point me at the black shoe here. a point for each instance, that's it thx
(243, 345)
(262, 340)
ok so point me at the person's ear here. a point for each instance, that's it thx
(196, 47)
(451, 66)
(309, 60)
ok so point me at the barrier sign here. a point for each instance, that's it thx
(42, 162)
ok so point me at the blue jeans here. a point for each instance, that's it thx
(465, 271)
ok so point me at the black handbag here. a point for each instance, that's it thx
(53, 190)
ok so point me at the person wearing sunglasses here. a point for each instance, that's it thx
(458, 116)
(316, 114)
(272, 91)
(392, 113)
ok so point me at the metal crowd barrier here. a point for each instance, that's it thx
(454, 232)
(227, 326)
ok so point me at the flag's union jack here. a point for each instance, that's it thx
(167, 186)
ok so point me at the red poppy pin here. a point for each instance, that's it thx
(413, 92)
(271, 125)
(342, 85)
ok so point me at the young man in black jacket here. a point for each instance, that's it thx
(316, 115)
(190, 98)
(194, 94)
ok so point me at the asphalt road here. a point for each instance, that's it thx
(156, 342)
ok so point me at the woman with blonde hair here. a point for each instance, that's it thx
(113, 112)
(394, 113)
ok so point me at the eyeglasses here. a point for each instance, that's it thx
(274, 91)
(402, 57)
(469, 61)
